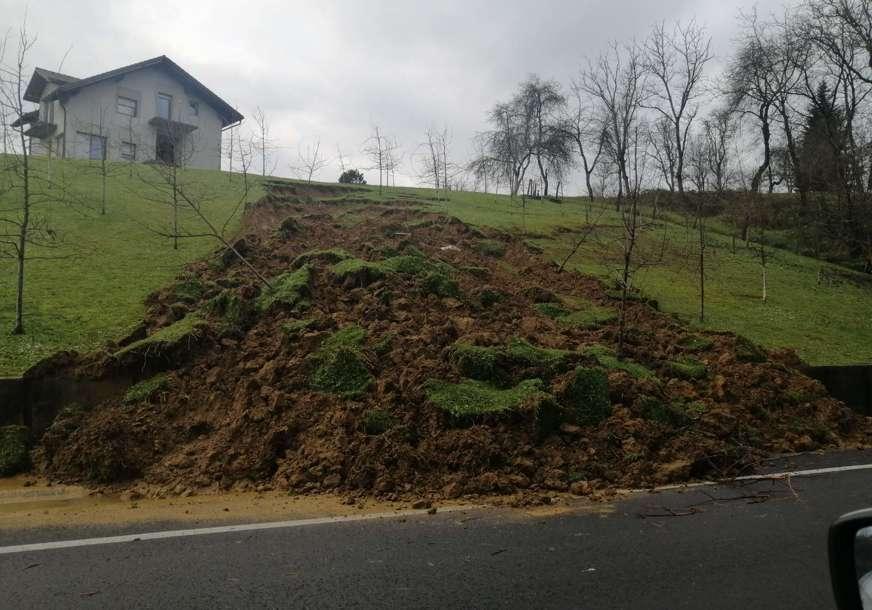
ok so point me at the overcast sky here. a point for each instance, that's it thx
(329, 70)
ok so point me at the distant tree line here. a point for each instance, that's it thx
(790, 114)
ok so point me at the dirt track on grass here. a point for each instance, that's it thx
(237, 409)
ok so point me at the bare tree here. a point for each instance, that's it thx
(718, 132)
(190, 200)
(616, 80)
(762, 78)
(676, 60)
(663, 150)
(374, 149)
(633, 225)
(543, 105)
(264, 144)
(341, 158)
(585, 128)
(393, 159)
(697, 162)
(310, 161)
(25, 232)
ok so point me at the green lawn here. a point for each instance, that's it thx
(110, 263)
(107, 263)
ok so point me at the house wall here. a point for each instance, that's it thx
(93, 110)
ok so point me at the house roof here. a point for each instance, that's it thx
(228, 113)
(41, 77)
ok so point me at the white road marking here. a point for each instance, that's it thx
(224, 529)
(804, 473)
(759, 477)
(253, 527)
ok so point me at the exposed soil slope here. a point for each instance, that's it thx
(404, 353)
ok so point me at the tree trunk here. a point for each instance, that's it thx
(22, 241)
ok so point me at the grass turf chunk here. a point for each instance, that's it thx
(146, 389)
(14, 456)
(577, 312)
(331, 257)
(696, 343)
(339, 364)
(481, 363)
(587, 396)
(491, 247)
(606, 358)
(186, 329)
(235, 312)
(746, 351)
(295, 328)
(471, 398)
(522, 353)
(688, 368)
(289, 289)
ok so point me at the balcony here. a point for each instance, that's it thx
(41, 129)
(171, 129)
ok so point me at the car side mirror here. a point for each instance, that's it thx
(850, 550)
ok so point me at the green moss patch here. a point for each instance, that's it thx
(147, 389)
(290, 290)
(377, 421)
(491, 247)
(470, 399)
(587, 396)
(339, 366)
(187, 329)
(688, 368)
(14, 445)
(330, 257)
(607, 359)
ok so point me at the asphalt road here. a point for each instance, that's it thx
(760, 544)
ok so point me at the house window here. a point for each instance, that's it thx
(164, 106)
(126, 106)
(128, 151)
(195, 107)
(96, 146)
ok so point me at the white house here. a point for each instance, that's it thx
(148, 111)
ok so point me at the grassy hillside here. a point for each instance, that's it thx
(110, 263)
(91, 288)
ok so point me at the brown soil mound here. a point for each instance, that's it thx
(239, 402)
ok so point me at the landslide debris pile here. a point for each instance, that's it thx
(403, 353)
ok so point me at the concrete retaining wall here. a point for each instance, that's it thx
(36, 402)
(850, 384)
